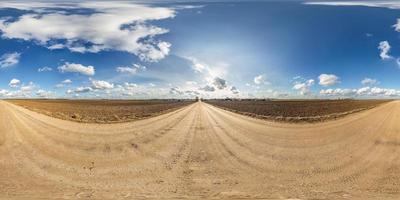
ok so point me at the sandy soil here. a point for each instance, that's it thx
(200, 151)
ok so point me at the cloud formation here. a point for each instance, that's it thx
(14, 83)
(304, 87)
(119, 26)
(384, 48)
(362, 92)
(377, 4)
(45, 69)
(77, 68)
(219, 83)
(101, 85)
(131, 70)
(328, 79)
(260, 79)
(9, 59)
(369, 81)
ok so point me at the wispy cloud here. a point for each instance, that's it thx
(131, 70)
(369, 81)
(377, 4)
(45, 69)
(9, 59)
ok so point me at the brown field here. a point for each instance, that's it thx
(296, 110)
(200, 151)
(102, 111)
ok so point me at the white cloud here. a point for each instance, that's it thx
(398, 62)
(260, 79)
(131, 70)
(384, 48)
(191, 83)
(44, 94)
(63, 83)
(3, 92)
(130, 86)
(377, 4)
(397, 25)
(9, 59)
(101, 85)
(362, 92)
(338, 92)
(27, 88)
(304, 87)
(328, 79)
(369, 81)
(14, 83)
(80, 90)
(77, 68)
(45, 69)
(66, 81)
(120, 26)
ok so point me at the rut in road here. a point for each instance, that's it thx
(200, 151)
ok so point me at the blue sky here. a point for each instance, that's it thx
(263, 49)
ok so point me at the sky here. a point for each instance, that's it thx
(209, 49)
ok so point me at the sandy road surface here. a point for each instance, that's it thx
(200, 151)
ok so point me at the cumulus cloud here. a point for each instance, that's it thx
(338, 92)
(369, 81)
(3, 92)
(44, 94)
(45, 69)
(219, 83)
(77, 68)
(234, 90)
(80, 90)
(176, 91)
(304, 87)
(208, 88)
(131, 70)
(397, 26)
(328, 79)
(119, 26)
(9, 59)
(14, 83)
(101, 85)
(29, 87)
(362, 92)
(384, 48)
(260, 79)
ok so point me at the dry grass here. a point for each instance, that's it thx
(101, 111)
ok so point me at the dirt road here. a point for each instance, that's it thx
(200, 152)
